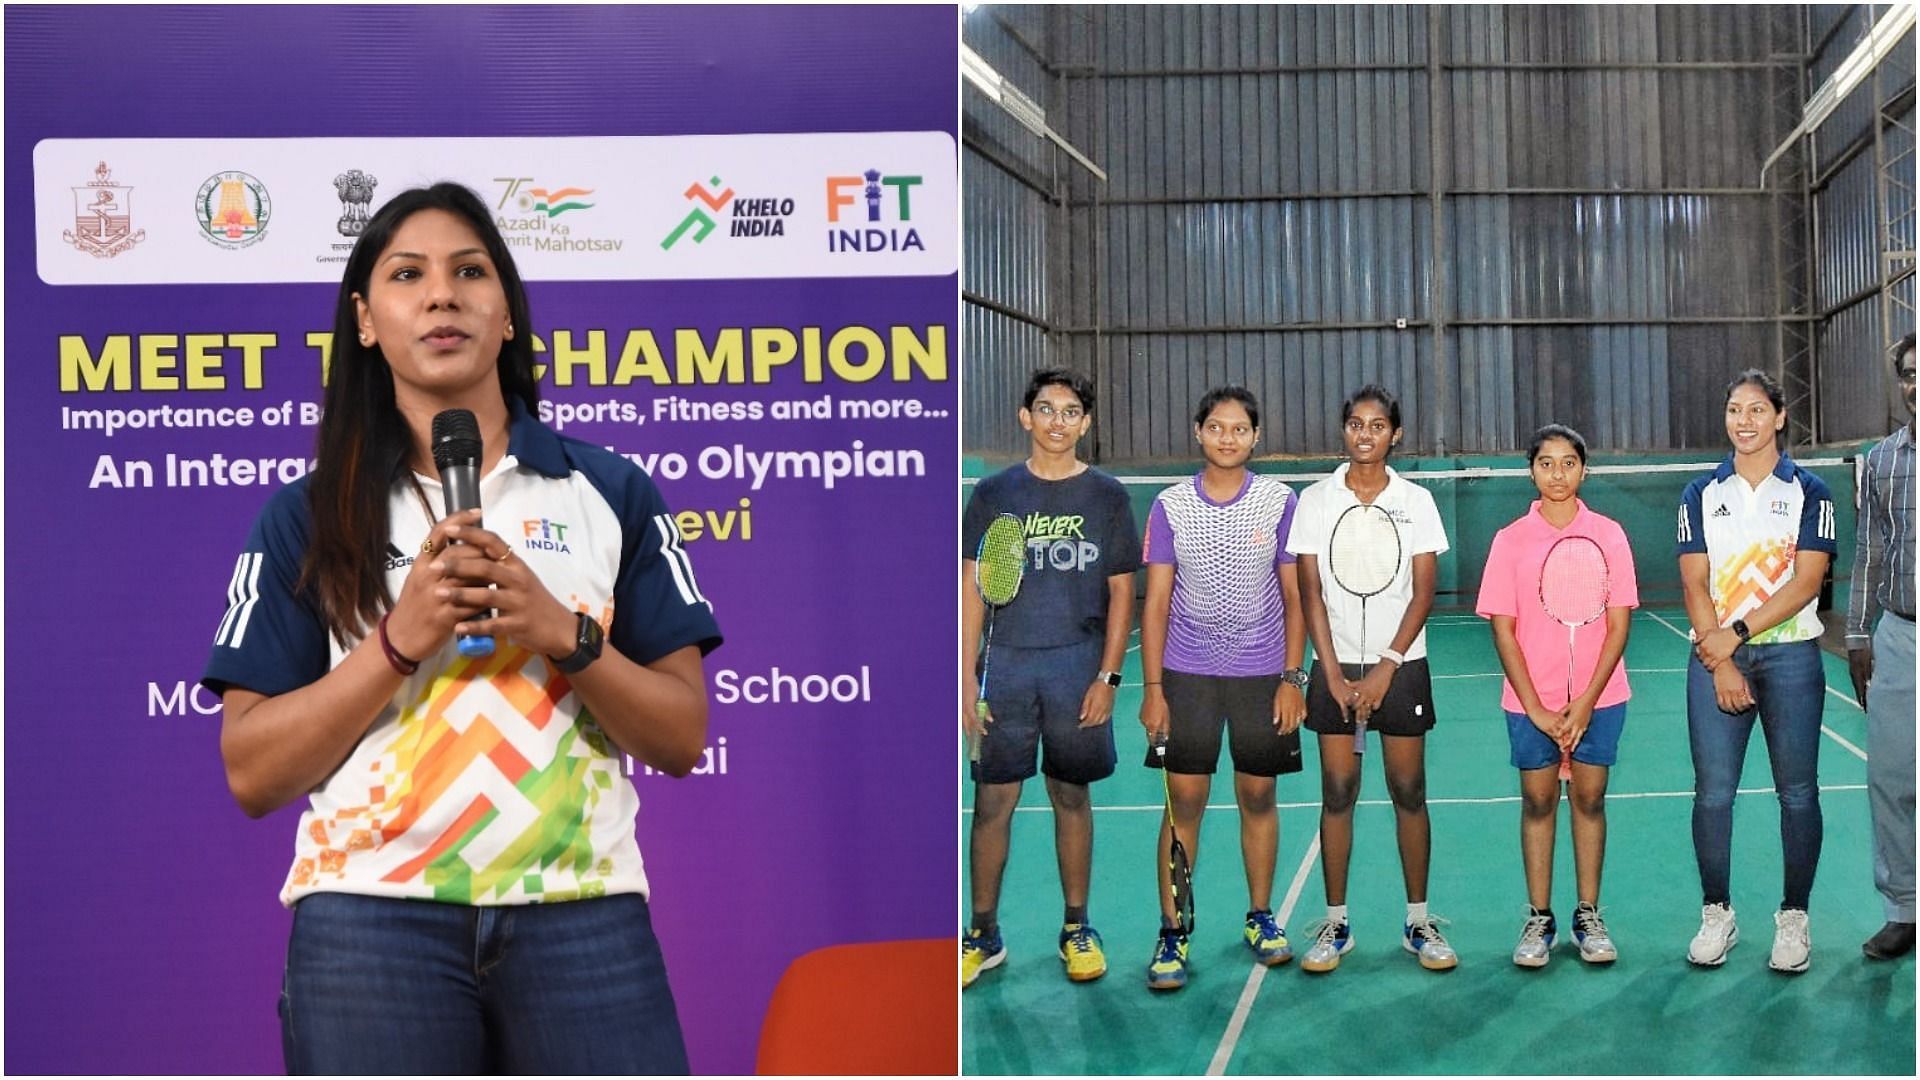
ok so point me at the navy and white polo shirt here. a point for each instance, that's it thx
(484, 780)
(1750, 537)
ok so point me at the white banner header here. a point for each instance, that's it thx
(612, 208)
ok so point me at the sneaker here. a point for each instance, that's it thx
(1330, 941)
(1536, 942)
(978, 952)
(1590, 933)
(1791, 944)
(1168, 971)
(1080, 948)
(1423, 940)
(1267, 940)
(1718, 933)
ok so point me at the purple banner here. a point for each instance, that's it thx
(804, 428)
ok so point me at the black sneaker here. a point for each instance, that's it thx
(1892, 942)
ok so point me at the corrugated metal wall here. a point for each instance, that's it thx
(1857, 397)
(1008, 178)
(1604, 255)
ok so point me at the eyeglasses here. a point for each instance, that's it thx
(1072, 414)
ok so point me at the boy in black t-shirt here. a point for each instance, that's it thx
(1057, 651)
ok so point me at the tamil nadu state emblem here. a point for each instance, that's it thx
(356, 200)
(233, 208)
(103, 217)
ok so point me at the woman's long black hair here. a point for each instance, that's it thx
(364, 442)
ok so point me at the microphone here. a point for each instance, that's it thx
(456, 452)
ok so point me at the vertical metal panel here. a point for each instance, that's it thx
(1849, 233)
(997, 357)
(1861, 405)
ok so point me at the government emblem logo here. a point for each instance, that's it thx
(103, 217)
(233, 208)
(356, 200)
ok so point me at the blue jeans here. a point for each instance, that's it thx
(376, 985)
(1790, 687)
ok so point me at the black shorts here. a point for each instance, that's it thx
(1406, 710)
(1035, 697)
(1200, 705)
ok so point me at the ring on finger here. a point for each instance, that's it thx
(504, 556)
(427, 548)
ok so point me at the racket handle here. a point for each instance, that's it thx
(974, 739)
(1566, 765)
(1359, 737)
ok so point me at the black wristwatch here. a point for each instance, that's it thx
(586, 645)
(1111, 678)
(1739, 626)
(1296, 678)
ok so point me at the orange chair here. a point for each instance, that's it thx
(885, 1007)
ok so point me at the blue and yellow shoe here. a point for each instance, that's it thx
(1168, 971)
(1266, 938)
(978, 952)
(1080, 949)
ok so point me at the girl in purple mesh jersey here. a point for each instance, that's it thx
(1221, 642)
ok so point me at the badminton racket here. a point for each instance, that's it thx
(1573, 590)
(997, 569)
(1364, 555)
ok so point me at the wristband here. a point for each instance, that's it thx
(395, 659)
(1399, 658)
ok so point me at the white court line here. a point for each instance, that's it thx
(1241, 1009)
(1488, 801)
(1824, 729)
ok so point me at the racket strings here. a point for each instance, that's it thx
(1002, 561)
(1573, 581)
(1364, 551)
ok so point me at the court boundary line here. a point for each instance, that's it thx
(1490, 800)
(1223, 1053)
(1824, 729)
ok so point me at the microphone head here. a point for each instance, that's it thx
(456, 439)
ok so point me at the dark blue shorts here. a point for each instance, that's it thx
(1035, 697)
(1599, 746)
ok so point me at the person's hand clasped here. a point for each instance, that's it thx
(1371, 690)
(1730, 689)
(451, 583)
(1717, 647)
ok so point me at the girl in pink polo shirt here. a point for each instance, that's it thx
(1562, 699)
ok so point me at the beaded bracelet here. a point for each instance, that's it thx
(395, 658)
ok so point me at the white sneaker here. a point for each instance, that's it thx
(1536, 942)
(1791, 944)
(1718, 933)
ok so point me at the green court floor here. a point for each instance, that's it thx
(1650, 1012)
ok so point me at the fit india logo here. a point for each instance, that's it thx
(103, 217)
(750, 217)
(232, 208)
(355, 189)
(543, 534)
(885, 198)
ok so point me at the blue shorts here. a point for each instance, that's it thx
(1599, 746)
(1035, 697)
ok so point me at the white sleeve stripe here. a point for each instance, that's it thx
(241, 589)
(678, 562)
(253, 598)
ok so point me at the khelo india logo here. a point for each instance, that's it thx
(103, 217)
